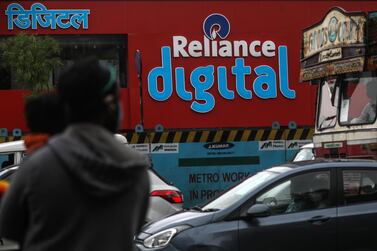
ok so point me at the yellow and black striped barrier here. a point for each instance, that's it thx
(223, 135)
(9, 138)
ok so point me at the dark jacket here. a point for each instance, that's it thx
(83, 191)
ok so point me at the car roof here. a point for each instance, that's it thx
(19, 145)
(310, 145)
(320, 162)
(13, 146)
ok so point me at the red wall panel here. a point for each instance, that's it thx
(152, 24)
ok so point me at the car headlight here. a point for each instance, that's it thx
(160, 239)
(163, 238)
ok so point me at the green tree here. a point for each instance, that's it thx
(31, 59)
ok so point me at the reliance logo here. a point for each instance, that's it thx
(213, 21)
(216, 28)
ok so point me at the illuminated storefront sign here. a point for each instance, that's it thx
(202, 78)
(40, 16)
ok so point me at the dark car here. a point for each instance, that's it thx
(315, 205)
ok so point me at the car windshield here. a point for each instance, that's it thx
(359, 98)
(238, 192)
(327, 109)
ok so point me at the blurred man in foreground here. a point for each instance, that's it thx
(84, 190)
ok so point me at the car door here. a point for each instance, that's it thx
(302, 215)
(357, 211)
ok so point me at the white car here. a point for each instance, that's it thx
(11, 153)
(164, 199)
(306, 152)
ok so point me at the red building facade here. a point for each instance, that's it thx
(212, 71)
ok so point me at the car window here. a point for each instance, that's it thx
(302, 192)
(6, 159)
(358, 99)
(359, 186)
(241, 190)
(327, 108)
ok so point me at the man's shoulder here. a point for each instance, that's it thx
(41, 155)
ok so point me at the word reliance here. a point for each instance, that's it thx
(39, 15)
(223, 48)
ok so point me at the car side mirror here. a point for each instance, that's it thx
(259, 210)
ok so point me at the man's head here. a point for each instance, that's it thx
(44, 113)
(90, 93)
